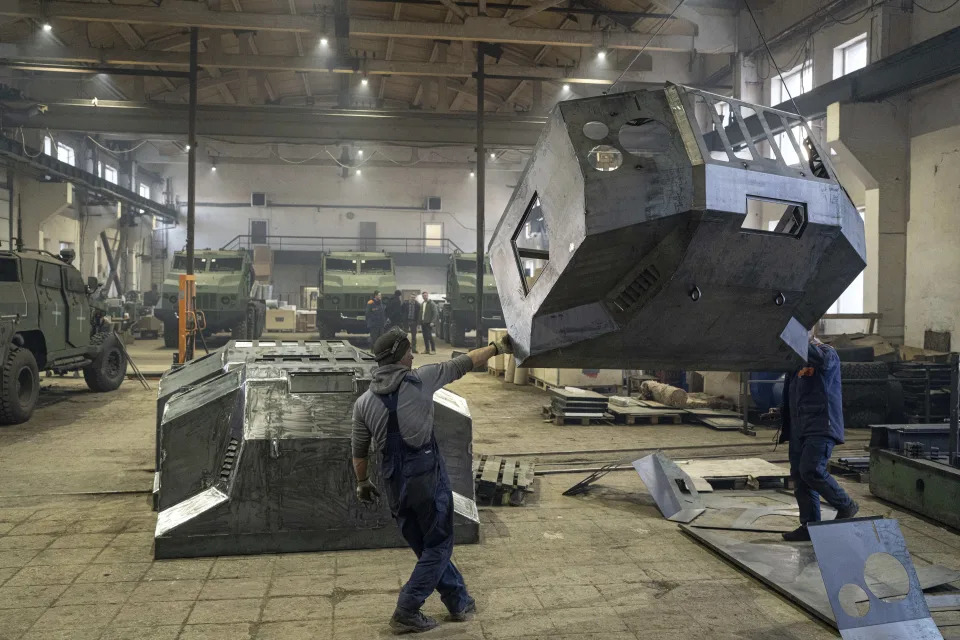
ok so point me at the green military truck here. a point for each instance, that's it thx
(347, 282)
(49, 322)
(458, 315)
(225, 280)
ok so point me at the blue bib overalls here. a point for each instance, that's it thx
(421, 501)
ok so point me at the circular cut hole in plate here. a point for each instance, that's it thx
(886, 577)
(603, 157)
(853, 600)
(645, 137)
(596, 130)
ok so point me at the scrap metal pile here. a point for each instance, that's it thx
(253, 450)
(677, 228)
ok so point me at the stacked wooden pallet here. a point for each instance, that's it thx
(635, 411)
(502, 480)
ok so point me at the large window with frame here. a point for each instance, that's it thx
(795, 82)
(66, 153)
(850, 56)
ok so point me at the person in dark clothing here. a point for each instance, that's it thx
(394, 309)
(376, 317)
(429, 314)
(394, 418)
(411, 318)
(813, 424)
(151, 298)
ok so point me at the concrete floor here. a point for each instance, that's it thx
(76, 532)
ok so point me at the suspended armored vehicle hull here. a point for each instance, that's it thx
(673, 228)
(254, 453)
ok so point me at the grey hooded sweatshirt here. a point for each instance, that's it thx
(414, 403)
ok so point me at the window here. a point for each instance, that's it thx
(8, 270)
(144, 190)
(65, 245)
(48, 145)
(850, 56)
(851, 300)
(469, 267)
(775, 216)
(66, 154)
(226, 264)
(341, 265)
(180, 263)
(107, 172)
(375, 266)
(433, 234)
(49, 275)
(795, 82)
(531, 244)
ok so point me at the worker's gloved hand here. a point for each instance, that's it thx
(503, 345)
(367, 492)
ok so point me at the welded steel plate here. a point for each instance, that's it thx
(646, 233)
(672, 489)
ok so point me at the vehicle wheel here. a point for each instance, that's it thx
(19, 386)
(171, 337)
(457, 334)
(326, 332)
(239, 331)
(109, 368)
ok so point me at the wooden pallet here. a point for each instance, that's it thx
(560, 420)
(645, 415)
(502, 480)
(546, 386)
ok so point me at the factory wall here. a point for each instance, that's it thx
(331, 206)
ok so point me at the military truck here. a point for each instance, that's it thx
(458, 315)
(50, 322)
(225, 282)
(347, 282)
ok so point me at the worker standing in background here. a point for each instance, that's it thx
(411, 318)
(812, 416)
(395, 417)
(394, 310)
(151, 298)
(376, 317)
(428, 315)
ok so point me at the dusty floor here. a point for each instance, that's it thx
(76, 531)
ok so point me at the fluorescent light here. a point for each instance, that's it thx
(47, 27)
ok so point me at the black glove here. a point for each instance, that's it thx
(503, 345)
(367, 492)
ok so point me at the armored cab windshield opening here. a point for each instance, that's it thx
(674, 228)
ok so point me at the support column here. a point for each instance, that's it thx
(872, 139)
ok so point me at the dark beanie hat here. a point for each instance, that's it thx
(391, 346)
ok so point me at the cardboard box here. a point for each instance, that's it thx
(281, 320)
(306, 321)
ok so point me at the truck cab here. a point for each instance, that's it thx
(347, 281)
(458, 315)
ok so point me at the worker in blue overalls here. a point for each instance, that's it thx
(394, 417)
(813, 424)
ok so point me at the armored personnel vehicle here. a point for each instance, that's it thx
(459, 314)
(49, 322)
(225, 280)
(347, 282)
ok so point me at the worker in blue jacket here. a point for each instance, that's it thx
(813, 424)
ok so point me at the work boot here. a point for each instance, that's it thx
(466, 613)
(800, 534)
(847, 512)
(405, 622)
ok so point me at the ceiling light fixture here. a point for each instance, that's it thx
(364, 82)
(566, 87)
(324, 42)
(360, 152)
(47, 27)
(601, 54)
(359, 171)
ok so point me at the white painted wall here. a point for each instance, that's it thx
(933, 261)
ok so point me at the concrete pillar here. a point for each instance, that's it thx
(872, 139)
(39, 203)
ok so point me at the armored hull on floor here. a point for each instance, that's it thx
(254, 450)
(673, 228)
